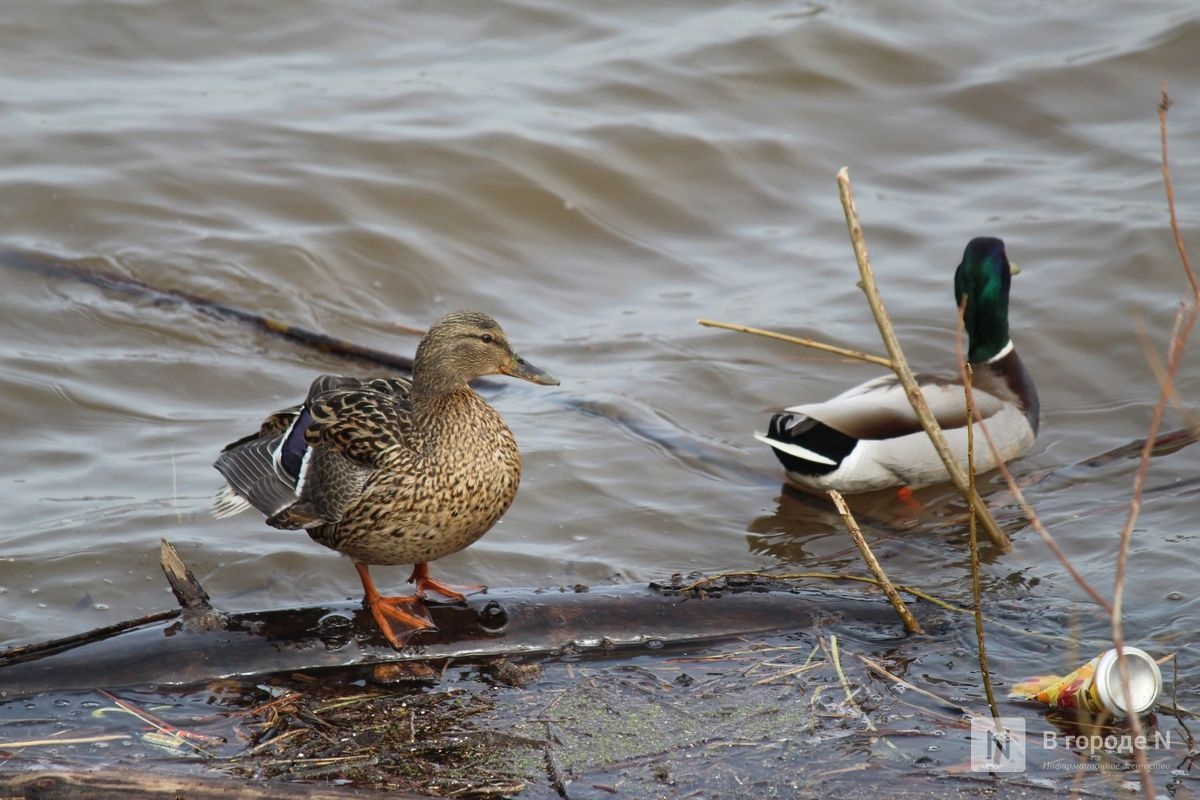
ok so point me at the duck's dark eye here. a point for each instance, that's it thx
(486, 338)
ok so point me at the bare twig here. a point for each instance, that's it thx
(1026, 509)
(1164, 105)
(51, 742)
(835, 658)
(1187, 733)
(973, 539)
(879, 670)
(1190, 420)
(829, 576)
(910, 622)
(900, 364)
(813, 343)
(1040, 528)
(912, 590)
(1174, 353)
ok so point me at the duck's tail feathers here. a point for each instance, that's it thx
(254, 476)
(228, 503)
(805, 445)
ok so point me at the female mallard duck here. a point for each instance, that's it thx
(869, 438)
(391, 471)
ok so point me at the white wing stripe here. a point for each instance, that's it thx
(795, 449)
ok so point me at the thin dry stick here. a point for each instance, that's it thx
(813, 343)
(1026, 509)
(836, 658)
(900, 364)
(1175, 350)
(833, 576)
(1036, 522)
(829, 576)
(1164, 105)
(910, 622)
(108, 737)
(879, 670)
(973, 538)
(1187, 734)
(1160, 370)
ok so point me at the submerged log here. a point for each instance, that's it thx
(197, 644)
(504, 623)
(121, 785)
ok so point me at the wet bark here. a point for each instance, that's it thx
(198, 643)
(121, 785)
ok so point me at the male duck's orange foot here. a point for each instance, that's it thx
(453, 592)
(905, 495)
(400, 617)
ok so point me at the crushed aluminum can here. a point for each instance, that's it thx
(1097, 686)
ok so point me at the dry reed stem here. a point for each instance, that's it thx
(1164, 105)
(1190, 420)
(915, 592)
(1174, 355)
(107, 737)
(900, 364)
(829, 576)
(910, 622)
(813, 343)
(896, 679)
(1026, 509)
(973, 539)
(1039, 528)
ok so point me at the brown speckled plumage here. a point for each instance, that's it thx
(433, 491)
(390, 471)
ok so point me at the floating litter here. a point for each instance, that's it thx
(1097, 686)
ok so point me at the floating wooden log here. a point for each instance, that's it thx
(198, 644)
(113, 784)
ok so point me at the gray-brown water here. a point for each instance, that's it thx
(597, 177)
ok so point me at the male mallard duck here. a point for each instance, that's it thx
(869, 438)
(391, 471)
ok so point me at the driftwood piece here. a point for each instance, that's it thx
(508, 622)
(121, 785)
(87, 272)
(172, 650)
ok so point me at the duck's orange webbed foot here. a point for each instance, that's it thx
(424, 584)
(398, 618)
(906, 496)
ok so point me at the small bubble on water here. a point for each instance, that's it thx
(933, 748)
(579, 537)
(654, 644)
(62, 703)
(1174, 595)
(101, 606)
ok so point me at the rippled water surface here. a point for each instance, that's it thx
(597, 177)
